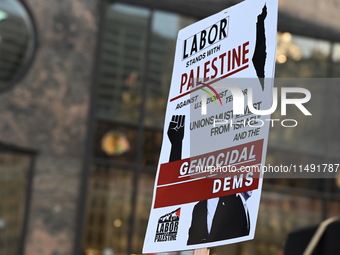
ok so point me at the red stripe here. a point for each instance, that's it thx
(174, 189)
(199, 190)
(170, 172)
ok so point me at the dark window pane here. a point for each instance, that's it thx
(152, 146)
(108, 224)
(144, 198)
(123, 56)
(14, 170)
(165, 26)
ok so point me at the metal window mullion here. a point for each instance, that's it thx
(26, 214)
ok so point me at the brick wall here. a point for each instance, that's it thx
(47, 111)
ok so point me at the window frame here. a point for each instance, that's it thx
(28, 191)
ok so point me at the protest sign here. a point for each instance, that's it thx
(208, 184)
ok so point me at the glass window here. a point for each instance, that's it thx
(135, 67)
(315, 139)
(114, 141)
(164, 26)
(17, 41)
(301, 57)
(123, 57)
(145, 190)
(336, 60)
(151, 146)
(14, 170)
(306, 136)
(108, 210)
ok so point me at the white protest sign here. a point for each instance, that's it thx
(208, 184)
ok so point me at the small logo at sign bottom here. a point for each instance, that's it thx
(167, 226)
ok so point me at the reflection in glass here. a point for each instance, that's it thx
(144, 198)
(108, 210)
(122, 63)
(115, 143)
(164, 26)
(336, 59)
(134, 77)
(16, 41)
(301, 57)
(152, 146)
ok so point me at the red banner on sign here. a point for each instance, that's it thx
(219, 173)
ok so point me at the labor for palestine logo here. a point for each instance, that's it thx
(167, 226)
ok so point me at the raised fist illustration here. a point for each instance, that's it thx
(176, 135)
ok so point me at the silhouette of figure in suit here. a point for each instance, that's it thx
(230, 220)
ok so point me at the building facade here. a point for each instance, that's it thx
(83, 91)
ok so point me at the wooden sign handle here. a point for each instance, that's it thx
(203, 251)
